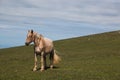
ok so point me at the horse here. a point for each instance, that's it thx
(42, 47)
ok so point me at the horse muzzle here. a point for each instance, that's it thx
(26, 44)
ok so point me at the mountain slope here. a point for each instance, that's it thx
(94, 57)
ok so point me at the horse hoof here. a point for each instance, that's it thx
(34, 69)
(41, 70)
(51, 67)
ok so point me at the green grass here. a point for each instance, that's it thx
(94, 57)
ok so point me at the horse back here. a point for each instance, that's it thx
(48, 45)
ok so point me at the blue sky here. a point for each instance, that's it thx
(56, 19)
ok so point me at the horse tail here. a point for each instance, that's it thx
(56, 58)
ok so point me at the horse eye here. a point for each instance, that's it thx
(30, 36)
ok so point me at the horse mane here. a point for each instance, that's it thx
(40, 38)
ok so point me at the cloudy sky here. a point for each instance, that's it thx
(56, 19)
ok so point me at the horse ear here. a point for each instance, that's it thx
(31, 31)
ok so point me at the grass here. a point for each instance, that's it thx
(94, 57)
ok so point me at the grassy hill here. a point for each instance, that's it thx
(94, 57)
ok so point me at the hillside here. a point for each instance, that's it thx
(94, 57)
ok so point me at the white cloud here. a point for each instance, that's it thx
(103, 12)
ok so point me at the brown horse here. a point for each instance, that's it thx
(42, 47)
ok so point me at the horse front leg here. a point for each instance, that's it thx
(35, 62)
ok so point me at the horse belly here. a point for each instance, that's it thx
(48, 49)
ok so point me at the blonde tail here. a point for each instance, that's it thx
(56, 59)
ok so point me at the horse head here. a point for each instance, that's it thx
(30, 37)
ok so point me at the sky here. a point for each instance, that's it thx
(56, 19)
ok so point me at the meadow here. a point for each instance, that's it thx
(93, 57)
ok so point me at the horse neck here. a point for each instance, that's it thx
(41, 40)
(35, 36)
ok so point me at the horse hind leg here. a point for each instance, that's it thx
(51, 59)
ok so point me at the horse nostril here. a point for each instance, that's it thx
(26, 44)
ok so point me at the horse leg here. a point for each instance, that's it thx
(51, 59)
(42, 61)
(45, 63)
(35, 62)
